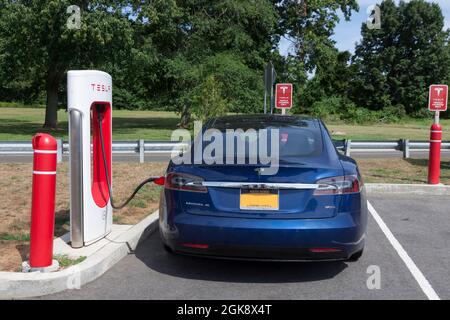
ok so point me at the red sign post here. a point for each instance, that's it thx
(438, 98)
(437, 103)
(283, 96)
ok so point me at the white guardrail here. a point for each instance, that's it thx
(141, 147)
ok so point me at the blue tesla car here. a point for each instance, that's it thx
(301, 201)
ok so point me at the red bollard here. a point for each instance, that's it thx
(43, 201)
(434, 167)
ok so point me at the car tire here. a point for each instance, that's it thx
(356, 256)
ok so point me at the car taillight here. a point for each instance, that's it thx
(338, 185)
(184, 182)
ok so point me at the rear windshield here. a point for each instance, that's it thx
(296, 139)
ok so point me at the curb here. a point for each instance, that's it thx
(411, 189)
(24, 285)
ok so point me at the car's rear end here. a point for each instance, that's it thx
(313, 208)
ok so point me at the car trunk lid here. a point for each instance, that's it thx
(292, 187)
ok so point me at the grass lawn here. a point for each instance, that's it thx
(411, 129)
(400, 170)
(23, 123)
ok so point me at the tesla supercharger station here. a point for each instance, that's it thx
(89, 95)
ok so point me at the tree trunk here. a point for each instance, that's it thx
(51, 109)
(185, 117)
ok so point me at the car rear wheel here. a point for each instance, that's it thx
(356, 256)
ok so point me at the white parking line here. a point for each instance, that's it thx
(417, 274)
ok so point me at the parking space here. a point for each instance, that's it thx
(419, 224)
(422, 225)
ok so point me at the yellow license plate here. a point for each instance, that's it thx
(254, 199)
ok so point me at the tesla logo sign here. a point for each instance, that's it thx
(100, 87)
(283, 96)
(438, 98)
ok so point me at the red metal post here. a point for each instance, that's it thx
(434, 167)
(43, 200)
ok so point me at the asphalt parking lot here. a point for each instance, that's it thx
(407, 242)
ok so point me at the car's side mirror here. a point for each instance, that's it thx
(339, 144)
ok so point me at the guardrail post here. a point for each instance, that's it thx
(59, 151)
(348, 147)
(141, 151)
(406, 151)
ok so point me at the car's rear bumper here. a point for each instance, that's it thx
(266, 239)
(261, 254)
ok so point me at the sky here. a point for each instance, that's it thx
(347, 33)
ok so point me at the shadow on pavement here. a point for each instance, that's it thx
(151, 252)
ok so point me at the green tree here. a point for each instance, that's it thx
(309, 25)
(230, 40)
(38, 47)
(397, 63)
(333, 78)
(207, 100)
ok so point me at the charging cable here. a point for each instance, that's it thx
(108, 181)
